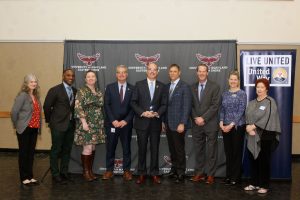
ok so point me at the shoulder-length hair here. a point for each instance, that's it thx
(25, 88)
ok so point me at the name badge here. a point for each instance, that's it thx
(112, 130)
(262, 107)
(233, 95)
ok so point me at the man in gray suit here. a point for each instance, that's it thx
(206, 101)
(177, 121)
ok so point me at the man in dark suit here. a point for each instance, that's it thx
(59, 111)
(177, 121)
(118, 122)
(206, 101)
(149, 104)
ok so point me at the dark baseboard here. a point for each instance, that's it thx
(17, 150)
(296, 158)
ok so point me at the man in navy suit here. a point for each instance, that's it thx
(177, 121)
(118, 122)
(149, 104)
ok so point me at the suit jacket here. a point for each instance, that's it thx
(21, 112)
(141, 102)
(57, 108)
(114, 109)
(179, 106)
(209, 105)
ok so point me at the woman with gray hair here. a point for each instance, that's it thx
(26, 118)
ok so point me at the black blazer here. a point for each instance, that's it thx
(57, 107)
(114, 109)
(141, 102)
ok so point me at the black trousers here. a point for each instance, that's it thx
(260, 167)
(62, 142)
(233, 146)
(177, 151)
(111, 143)
(27, 143)
(142, 138)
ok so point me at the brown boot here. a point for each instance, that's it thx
(91, 168)
(86, 160)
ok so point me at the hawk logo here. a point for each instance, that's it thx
(208, 60)
(146, 60)
(167, 159)
(88, 60)
(118, 164)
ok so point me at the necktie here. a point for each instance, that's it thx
(121, 94)
(200, 91)
(171, 89)
(151, 89)
(70, 94)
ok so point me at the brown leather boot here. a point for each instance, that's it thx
(91, 168)
(86, 160)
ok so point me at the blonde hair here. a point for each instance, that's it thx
(25, 88)
(237, 74)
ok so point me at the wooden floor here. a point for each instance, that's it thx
(118, 189)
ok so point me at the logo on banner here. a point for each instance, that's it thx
(280, 75)
(118, 165)
(88, 60)
(167, 159)
(146, 60)
(208, 60)
(275, 68)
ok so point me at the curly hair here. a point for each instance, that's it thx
(263, 81)
(25, 88)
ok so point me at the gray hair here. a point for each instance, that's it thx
(25, 88)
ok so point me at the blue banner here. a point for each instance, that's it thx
(278, 66)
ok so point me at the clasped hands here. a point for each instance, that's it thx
(119, 124)
(199, 121)
(150, 114)
(226, 128)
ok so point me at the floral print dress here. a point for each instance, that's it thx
(89, 106)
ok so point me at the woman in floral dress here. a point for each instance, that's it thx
(90, 123)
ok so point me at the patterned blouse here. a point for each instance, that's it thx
(35, 118)
(89, 106)
(233, 107)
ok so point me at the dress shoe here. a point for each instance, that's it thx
(107, 175)
(171, 174)
(226, 181)
(66, 177)
(127, 176)
(59, 180)
(198, 178)
(141, 179)
(156, 180)
(179, 179)
(210, 180)
(234, 183)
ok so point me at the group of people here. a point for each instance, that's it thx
(87, 117)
